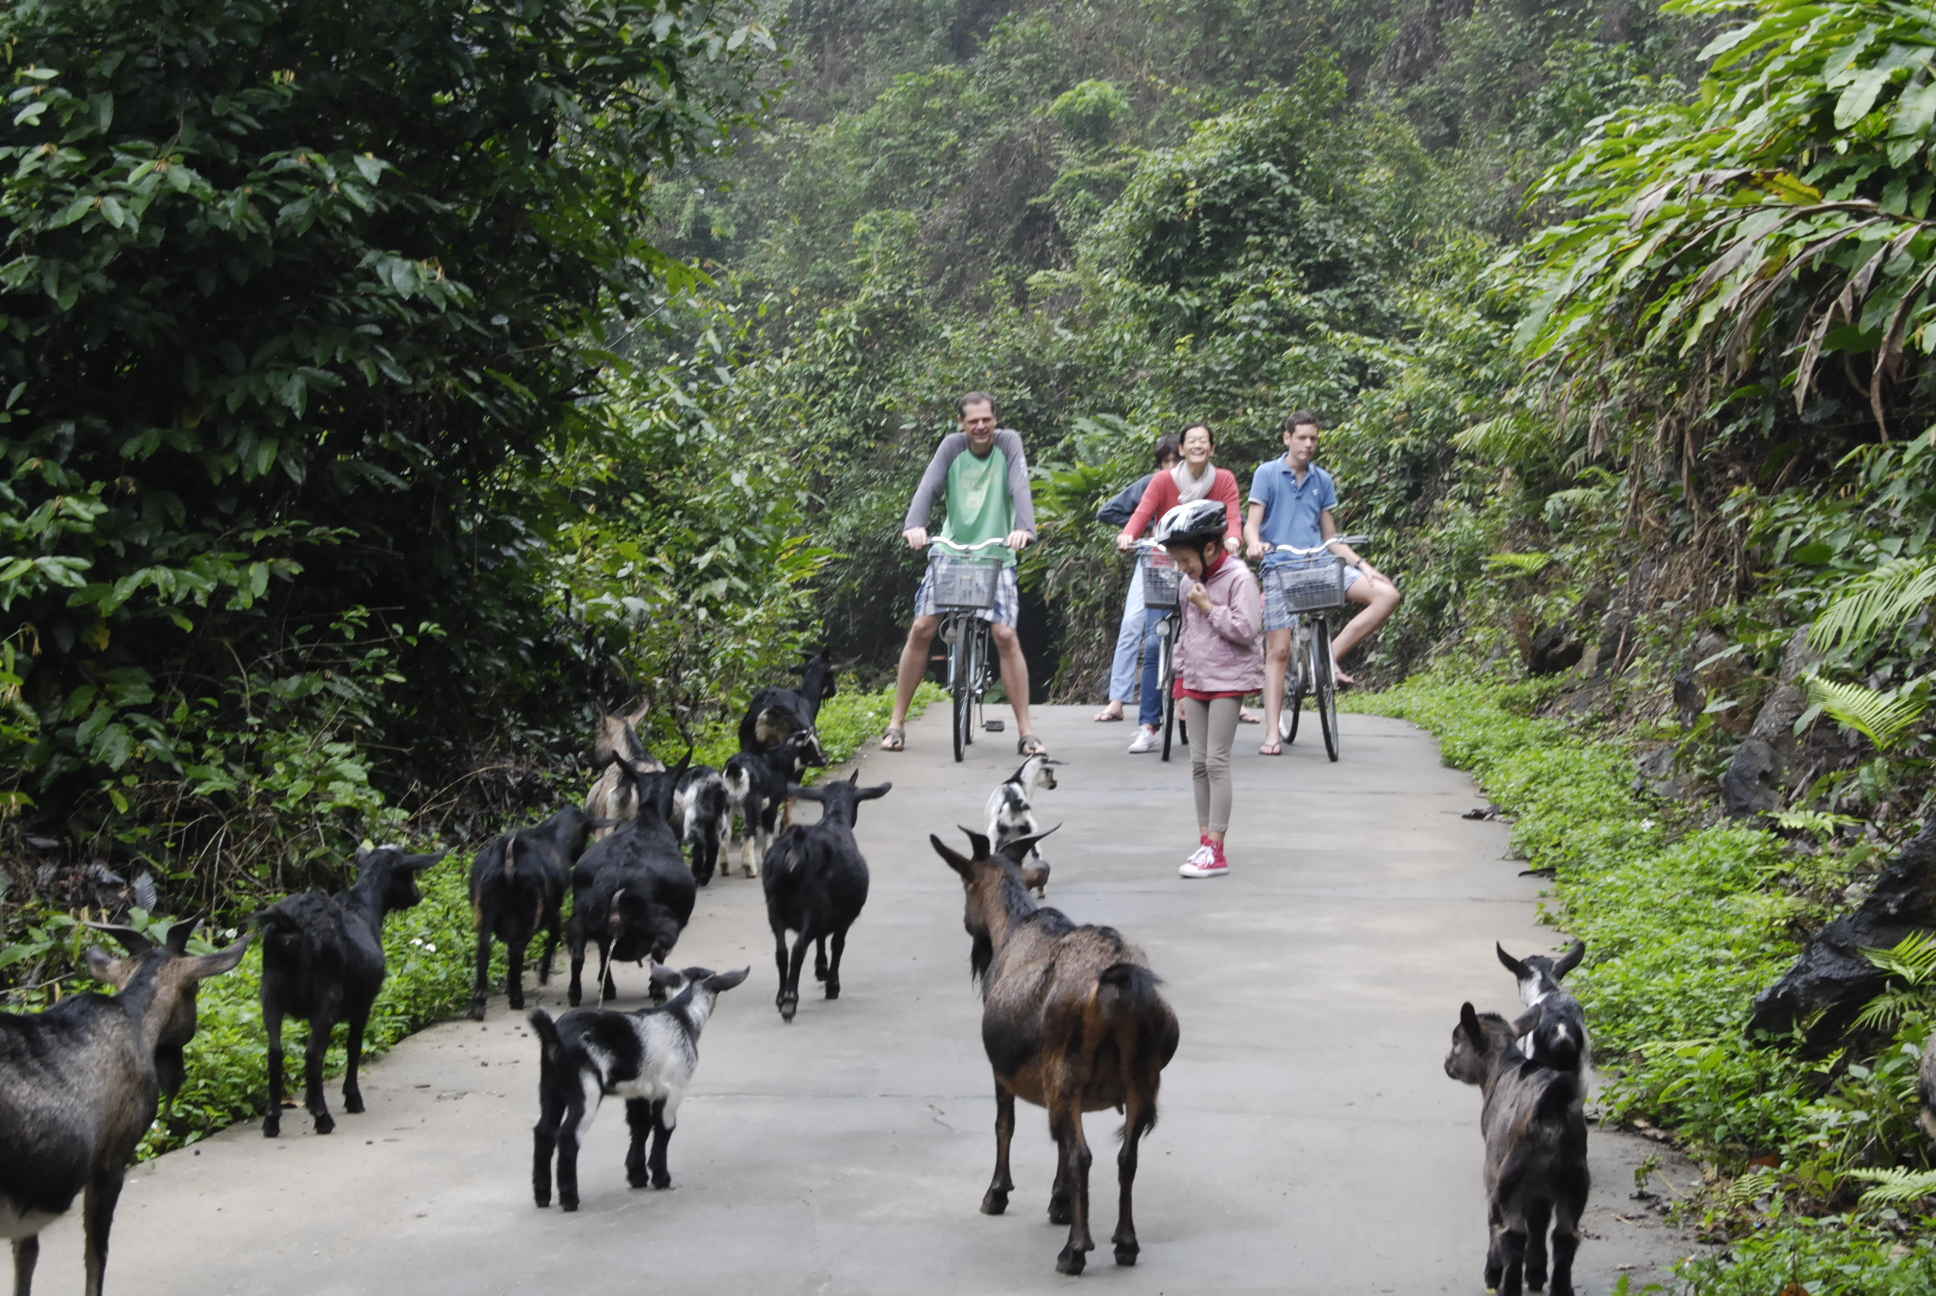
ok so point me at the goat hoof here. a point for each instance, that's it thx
(567, 1204)
(325, 1123)
(662, 1183)
(272, 1126)
(353, 1104)
(477, 1009)
(517, 1001)
(1126, 1253)
(1070, 1261)
(833, 989)
(994, 1203)
(787, 1008)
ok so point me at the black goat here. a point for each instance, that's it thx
(816, 885)
(647, 1057)
(705, 819)
(1535, 1131)
(1072, 1021)
(776, 712)
(1552, 1032)
(632, 893)
(322, 960)
(756, 789)
(518, 890)
(78, 1088)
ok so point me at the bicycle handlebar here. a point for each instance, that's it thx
(967, 548)
(1322, 548)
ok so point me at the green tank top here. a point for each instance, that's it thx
(978, 504)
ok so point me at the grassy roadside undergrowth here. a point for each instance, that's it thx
(1684, 924)
(430, 950)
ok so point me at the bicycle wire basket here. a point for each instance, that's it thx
(963, 584)
(1307, 585)
(1160, 581)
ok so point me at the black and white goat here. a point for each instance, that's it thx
(518, 890)
(1552, 1030)
(776, 712)
(1011, 816)
(756, 789)
(1534, 1125)
(621, 757)
(705, 818)
(632, 893)
(322, 960)
(78, 1089)
(816, 885)
(646, 1057)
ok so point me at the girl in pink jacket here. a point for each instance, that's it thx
(1219, 658)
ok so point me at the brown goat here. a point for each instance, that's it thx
(619, 755)
(1072, 1022)
(1535, 1132)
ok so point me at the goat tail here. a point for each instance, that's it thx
(549, 1045)
(1144, 1030)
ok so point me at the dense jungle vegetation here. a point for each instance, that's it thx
(386, 394)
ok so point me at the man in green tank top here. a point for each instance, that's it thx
(982, 475)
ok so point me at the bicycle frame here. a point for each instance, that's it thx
(1309, 669)
(969, 646)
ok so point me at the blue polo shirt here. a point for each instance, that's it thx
(1292, 512)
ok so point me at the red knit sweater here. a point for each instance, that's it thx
(1159, 497)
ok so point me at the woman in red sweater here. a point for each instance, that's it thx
(1195, 478)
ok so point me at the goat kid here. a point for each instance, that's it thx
(632, 893)
(1072, 1022)
(322, 960)
(776, 712)
(646, 1057)
(78, 1089)
(756, 789)
(816, 885)
(1552, 1032)
(705, 818)
(1011, 816)
(620, 756)
(1536, 1170)
(518, 890)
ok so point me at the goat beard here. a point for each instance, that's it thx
(980, 956)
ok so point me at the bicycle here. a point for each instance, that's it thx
(1311, 585)
(1161, 589)
(963, 586)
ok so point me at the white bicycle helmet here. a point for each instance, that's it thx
(1200, 522)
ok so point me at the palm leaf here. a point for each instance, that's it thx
(1877, 606)
(1884, 718)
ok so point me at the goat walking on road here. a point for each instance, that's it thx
(78, 1089)
(646, 1057)
(632, 893)
(1534, 1124)
(518, 890)
(1010, 815)
(756, 789)
(816, 885)
(1071, 1021)
(1552, 1030)
(322, 959)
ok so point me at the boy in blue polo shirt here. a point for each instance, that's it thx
(1291, 499)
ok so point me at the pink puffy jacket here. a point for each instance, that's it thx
(1222, 651)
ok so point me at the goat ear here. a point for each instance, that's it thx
(1510, 963)
(418, 863)
(133, 941)
(811, 794)
(667, 978)
(107, 969)
(1569, 960)
(1017, 850)
(1469, 1023)
(959, 863)
(873, 793)
(178, 935)
(215, 964)
(721, 981)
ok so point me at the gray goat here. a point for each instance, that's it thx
(78, 1089)
(1535, 1130)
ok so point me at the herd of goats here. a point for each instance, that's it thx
(1072, 1017)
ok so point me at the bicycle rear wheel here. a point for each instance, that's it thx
(1296, 685)
(959, 663)
(977, 633)
(1325, 686)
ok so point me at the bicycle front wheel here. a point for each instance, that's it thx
(959, 668)
(1296, 685)
(1324, 686)
(1165, 680)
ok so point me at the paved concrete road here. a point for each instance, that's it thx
(1309, 1140)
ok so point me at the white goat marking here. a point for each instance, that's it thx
(16, 1224)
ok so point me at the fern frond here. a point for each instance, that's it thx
(1510, 438)
(1576, 499)
(1887, 1010)
(1877, 606)
(1519, 564)
(1884, 718)
(1895, 1186)
(1913, 958)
